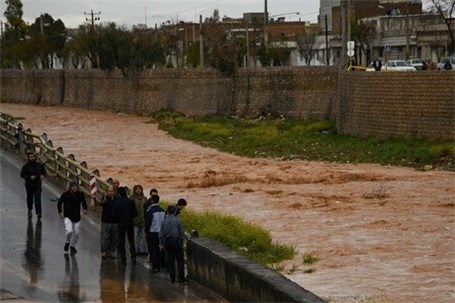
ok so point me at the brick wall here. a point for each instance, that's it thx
(384, 104)
(301, 92)
(420, 104)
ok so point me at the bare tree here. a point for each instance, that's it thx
(307, 47)
(364, 32)
(446, 9)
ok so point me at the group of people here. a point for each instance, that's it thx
(150, 229)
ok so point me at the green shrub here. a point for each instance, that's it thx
(306, 140)
(250, 240)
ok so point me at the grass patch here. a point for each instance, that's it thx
(310, 259)
(307, 140)
(249, 240)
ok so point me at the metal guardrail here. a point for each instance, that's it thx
(63, 169)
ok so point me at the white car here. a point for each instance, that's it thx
(397, 66)
(417, 63)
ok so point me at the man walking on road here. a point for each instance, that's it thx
(33, 172)
(171, 238)
(71, 200)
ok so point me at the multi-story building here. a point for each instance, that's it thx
(325, 9)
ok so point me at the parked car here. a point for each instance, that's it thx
(397, 66)
(444, 61)
(417, 63)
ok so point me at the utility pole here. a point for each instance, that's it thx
(344, 39)
(201, 44)
(247, 45)
(145, 11)
(41, 24)
(407, 32)
(93, 17)
(1, 45)
(92, 32)
(327, 57)
(266, 20)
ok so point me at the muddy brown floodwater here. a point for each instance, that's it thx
(381, 233)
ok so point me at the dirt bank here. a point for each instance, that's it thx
(382, 234)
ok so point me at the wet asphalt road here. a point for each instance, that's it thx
(34, 266)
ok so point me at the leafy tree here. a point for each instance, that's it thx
(263, 55)
(75, 50)
(279, 56)
(15, 26)
(14, 35)
(192, 55)
(47, 37)
(84, 45)
(149, 52)
(225, 51)
(446, 9)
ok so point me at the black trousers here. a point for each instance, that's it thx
(153, 244)
(175, 255)
(127, 231)
(34, 195)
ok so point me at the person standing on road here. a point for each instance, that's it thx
(125, 214)
(153, 192)
(377, 64)
(33, 172)
(109, 228)
(171, 239)
(69, 208)
(139, 233)
(154, 217)
(116, 185)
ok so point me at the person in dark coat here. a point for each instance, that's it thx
(125, 214)
(69, 209)
(171, 239)
(109, 226)
(377, 64)
(154, 216)
(181, 204)
(33, 172)
(153, 192)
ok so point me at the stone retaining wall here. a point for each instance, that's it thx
(239, 279)
(420, 104)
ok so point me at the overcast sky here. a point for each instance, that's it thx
(129, 12)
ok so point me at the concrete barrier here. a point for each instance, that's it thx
(239, 279)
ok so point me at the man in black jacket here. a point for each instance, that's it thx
(109, 228)
(71, 200)
(32, 172)
(125, 214)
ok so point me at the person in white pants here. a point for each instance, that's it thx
(69, 209)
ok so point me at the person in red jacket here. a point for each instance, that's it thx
(69, 209)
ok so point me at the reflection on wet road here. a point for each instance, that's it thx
(34, 266)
